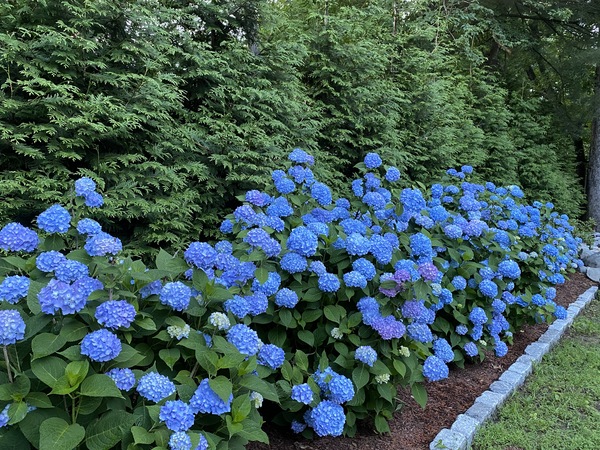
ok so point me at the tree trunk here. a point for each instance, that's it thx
(593, 185)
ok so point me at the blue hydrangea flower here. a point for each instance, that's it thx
(443, 350)
(366, 354)
(124, 378)
(301, 157)
(471, 349)
(180, 441)
(461, 329)
(14, 288)
(115, 314)
(177, 415)
(201, 255)
(302, 241)
(257, 303)
(357, 244)
(560, 312)
(319, 228)
(152, 288)
(381, 249)
(270, 286)
(238, 306)
(538, 300)
(176, 295)
(271, 356)
(420, 332)
(58, 295)
(94, 200)
(488, 288)
(258, 198)
(12, 327)
(284, 185)
(154, 386)
(321, 193)
(84, 186)
(420, 245)
(501, 349)
(459, 283)
(101, 345)
(226, 226)
(244, 338)
(453, 231)
(329, 282)
(15, 237)
(365, 267)
(340, 389)
(103, 244)
(509, 269)
(206, 401)
(327, 419)
(434, 369)
(202, 443)
(302, 393)
(286, 298)
(293, 263)
(55, 219)
(297, 427)
(478, 316)
(49, 261)
(89, 227)
(372, 160)
(71, 270)
(392, 174)
(355, 279)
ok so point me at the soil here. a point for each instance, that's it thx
(413, 428)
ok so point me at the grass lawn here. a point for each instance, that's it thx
(559, 405)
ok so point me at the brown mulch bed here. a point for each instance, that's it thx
(414, 428)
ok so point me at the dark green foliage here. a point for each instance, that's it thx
(175, 109)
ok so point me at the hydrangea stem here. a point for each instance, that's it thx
(7, 359)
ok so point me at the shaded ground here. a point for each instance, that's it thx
(414, 428)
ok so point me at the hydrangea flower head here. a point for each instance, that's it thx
(219, 320)
(201, 255)
(366, 354)
(71, 270)
(302, 393)
(94, 200)
(293, 262)
(443, 350)
(271, 356)
(154, 386)
(103, 244)
(101, 345)
(206, 401)
(84, 186)
(327, 419)
(301, 157)
(123, 378)
(434, 369)
(329, 282)
(89, 227)
(177, 415)
(302, 241)
(180, 441)
(244, 338)
(372, 160)
(286, 298)
(15, 237)
(14, 288)
(12, 327)
(176, 295)
(55, 219)
(392, 174)
(321, 193)
(49, 261)
(115, 314)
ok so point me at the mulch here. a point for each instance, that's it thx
(413, 428)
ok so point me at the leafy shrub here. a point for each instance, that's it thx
(320, 305)
(99, 349)
(389, 287)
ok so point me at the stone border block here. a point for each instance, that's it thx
(492, 399)
(537, 350)
(550, 337)
(467, 426)
(502, 388)
(448, 439)
(524, 368)
(481, 411)
(513, 378)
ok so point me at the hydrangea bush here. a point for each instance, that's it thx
(101, 352)
(319, 306)
(385, 288)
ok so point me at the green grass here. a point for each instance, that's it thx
(559, 405)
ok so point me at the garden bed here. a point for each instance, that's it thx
(413, 427)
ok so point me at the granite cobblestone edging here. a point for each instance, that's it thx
(462, 432)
